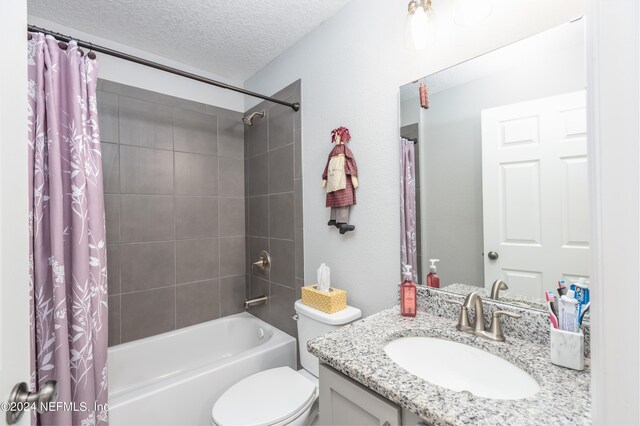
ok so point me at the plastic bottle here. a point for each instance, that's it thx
(407, 293)
(433, 280)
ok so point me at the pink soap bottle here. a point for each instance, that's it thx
(433, 280)
(407, 293)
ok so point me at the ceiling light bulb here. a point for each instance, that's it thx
(420, 27)
(471, 12)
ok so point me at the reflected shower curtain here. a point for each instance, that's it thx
(408, 237)
(68, 265)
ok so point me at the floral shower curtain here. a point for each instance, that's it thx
(68, 265)
(408, 237)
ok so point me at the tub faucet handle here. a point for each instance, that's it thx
(263, 263)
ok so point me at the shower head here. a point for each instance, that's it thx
(248, 120)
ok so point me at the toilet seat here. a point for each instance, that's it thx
(270, 397)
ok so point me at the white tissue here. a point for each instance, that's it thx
(324, 277)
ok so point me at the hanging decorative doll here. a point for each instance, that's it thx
(340, 180)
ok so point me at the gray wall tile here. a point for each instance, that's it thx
(297, 154)
(298, 217)
(158, 198)
(256, 135)
(145, 171)
(281, 216)
(113, 269)
(280, 126)
(110, 167)
(259, 287)
(147, 265)
(232, 295)
(231, 137)
(281, 301)
(232, 256)
(146, 218)
(112, 217)
(231, 178)
(256, 245)
(147, 313)
(282, 262)
(258, 175)
(114, 320)
(197, 302)
(299, 248)
(259, 216)
(197, 260)
(231, 213)
(196, 174)
(195, 132)
(196, 217)
(281, 170)
(145, 124)
(107, 116)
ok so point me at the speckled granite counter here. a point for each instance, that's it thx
(357, 350)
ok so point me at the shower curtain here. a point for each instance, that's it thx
(409, 251)
(68, 265)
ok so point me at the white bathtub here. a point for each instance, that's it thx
(174, 378)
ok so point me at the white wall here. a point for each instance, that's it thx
(14, 234)
(614, 104)
(351, 67)
(132, 74)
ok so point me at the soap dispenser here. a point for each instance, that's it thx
(433, 280)
(407, 293)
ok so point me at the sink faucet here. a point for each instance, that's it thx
(477, 328)
(496, 287)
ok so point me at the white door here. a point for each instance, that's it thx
(14, 251)
(535, 193)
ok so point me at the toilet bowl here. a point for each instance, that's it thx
(282, 396)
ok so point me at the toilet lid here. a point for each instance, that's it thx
(264, 398)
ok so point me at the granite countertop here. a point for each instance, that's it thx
(357, 350)
(506, 296)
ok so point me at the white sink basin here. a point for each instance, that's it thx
(460, 367)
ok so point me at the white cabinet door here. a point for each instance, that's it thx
(535, 193)
(345, 402)
(14, 251)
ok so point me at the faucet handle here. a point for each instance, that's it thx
(495, 329)
(453, 302)
(463, 317)
(506, 313)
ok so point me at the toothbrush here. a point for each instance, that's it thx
(552, 316)
(584, 311)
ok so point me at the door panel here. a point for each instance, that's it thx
(535, 192)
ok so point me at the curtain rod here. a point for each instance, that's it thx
(107, 51)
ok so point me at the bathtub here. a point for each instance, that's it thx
(175, 378)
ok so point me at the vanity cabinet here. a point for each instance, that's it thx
(345, 402)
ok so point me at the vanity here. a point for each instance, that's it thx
(512, 382)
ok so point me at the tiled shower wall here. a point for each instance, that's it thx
(174, 205)
(273, 176)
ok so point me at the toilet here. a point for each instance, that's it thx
(282, 396)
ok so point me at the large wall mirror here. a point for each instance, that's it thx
(499, 159)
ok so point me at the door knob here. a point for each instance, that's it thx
(21, 399)
(492, 255)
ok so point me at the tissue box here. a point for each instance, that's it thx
(329, 302)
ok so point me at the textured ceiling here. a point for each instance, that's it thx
(233, 39)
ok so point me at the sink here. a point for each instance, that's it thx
(461, 368)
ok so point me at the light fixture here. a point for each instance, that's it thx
(420, 26)
(471, 12)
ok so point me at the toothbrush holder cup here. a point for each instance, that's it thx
(567, 348)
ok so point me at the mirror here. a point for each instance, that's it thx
(499, 160)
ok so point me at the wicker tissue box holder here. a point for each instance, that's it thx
(330, 302)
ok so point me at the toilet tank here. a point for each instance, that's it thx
(313, 323)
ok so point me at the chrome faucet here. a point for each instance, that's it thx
(477, 327)
(496, 287)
